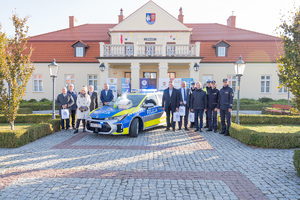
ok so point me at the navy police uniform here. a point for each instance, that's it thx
(212, 104)
(225, 102)
(206, 112)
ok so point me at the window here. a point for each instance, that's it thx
(93, 80)
(205, 78)
(170, 49)
(79, 51)
(150, 48)
(129, 48)
(171, 74)
(232, 82)
(151, 75)
(265, 84)
(282, 89)
(38, 83)
(151, 99)
(127, 75)
(69, 79)
(221, 51)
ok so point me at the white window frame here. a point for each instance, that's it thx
(206, 77)
(223, 51)
(282, 90)
(265, 85)
(67, 85)
(79, 51)
(93, 80)
(232, 78)
(38, 81)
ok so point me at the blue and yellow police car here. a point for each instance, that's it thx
(129, 114)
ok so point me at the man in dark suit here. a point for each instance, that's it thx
(106, 95)
(64, 101)
(94, 98)
(193, 88)
(170, 103)
(74, 106)
(184, 101)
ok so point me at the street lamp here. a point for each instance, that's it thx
(53, 68)
(239, 68)
(196, 67)
(102, 67)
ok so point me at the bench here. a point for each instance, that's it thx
(277, 108)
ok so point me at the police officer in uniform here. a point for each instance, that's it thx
(212, 104)
(225, 106)
(193, 88)
(206, 89)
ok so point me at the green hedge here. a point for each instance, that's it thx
(29, 118)
(38, 106)
(267, 119)
(17, 138)
(297, 161)
(22, 111)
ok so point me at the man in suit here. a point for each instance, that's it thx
(193, 88)
(185, 101)
(170, 103)
(94, 98)
(106, 95)
(64, 101)
(74, 106)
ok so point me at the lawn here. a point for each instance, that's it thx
(18, 126)
(274, 128)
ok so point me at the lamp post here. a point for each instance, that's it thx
(196, 67)
(53, 68)
(102, 67)
(239, 68)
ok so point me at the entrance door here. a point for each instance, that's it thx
(152, 79)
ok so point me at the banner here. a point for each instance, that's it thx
(163, 83)
(188, 82)
(113, 83)
(144, 83)
(125, 85)
(177, 83)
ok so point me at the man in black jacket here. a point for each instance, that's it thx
(94, 98)
(207, 88)
(199, 105)
(193, 88)
(64, 101)
(170, 103)
(225, 106)
(212, 101)
(74, 106)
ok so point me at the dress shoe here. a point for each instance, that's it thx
(179, 129)
(209, 129)
(215, 131)
(223, 132)
(200, 130)
(196, 130)
(76, 131)
(206, 126)
(167, 129)
(226, 134)
(84, 129)
(174, 129)
(186, 129)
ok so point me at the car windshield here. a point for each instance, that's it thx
(128, 101)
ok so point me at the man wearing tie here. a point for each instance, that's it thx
(106, 95)
(185, 97)
(94, 98)
(170, 103)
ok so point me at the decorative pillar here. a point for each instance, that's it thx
(163, 70)
(197, 48)
(101, 49)
(104, 75)
(194, 74)
(135, 75)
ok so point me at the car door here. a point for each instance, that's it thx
(151, 115)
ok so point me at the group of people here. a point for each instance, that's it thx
(81, 104)
(199, 100)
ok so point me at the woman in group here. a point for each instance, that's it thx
(199, 105)
(83, 108)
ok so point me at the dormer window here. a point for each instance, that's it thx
(79, 49)
(221, 48)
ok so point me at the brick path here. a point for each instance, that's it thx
(156, 165)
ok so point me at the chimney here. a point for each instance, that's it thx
(180, 16)
(231, 20)
(121, 16)
(71, 21)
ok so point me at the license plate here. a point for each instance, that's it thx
(96, 125)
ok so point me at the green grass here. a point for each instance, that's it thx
(18, 126)
(273, 128)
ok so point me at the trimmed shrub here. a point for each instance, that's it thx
(265, 99)
(22, 111)
(268, 119)
(44, 100)
(32, 100)
(17, 138)
(29, 118)
(296, 158)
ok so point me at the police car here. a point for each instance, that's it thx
(129, 114)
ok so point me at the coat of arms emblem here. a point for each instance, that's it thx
(150, 18)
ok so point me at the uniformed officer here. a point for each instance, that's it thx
(225, 106)
(206, 89)
(191, 92)
(212, 102)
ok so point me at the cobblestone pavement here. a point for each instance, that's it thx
(156, 165)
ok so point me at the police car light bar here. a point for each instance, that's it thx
(143, 90)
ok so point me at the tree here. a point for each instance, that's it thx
(16, 68)
(289, 61)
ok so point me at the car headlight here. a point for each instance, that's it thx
(121, 117)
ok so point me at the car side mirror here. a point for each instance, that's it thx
(149, 105)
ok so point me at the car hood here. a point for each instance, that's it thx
(107, 111)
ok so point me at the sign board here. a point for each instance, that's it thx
(188, 82)
(144, 83)
(113, 83)
(177, 83)
(125, 85)
(163, 83)
(150, 39)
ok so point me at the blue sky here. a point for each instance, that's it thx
(45, 16)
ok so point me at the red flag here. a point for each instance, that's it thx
(121, 38)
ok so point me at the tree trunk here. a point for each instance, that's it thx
(12, 125)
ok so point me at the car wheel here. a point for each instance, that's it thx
(134, 128)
